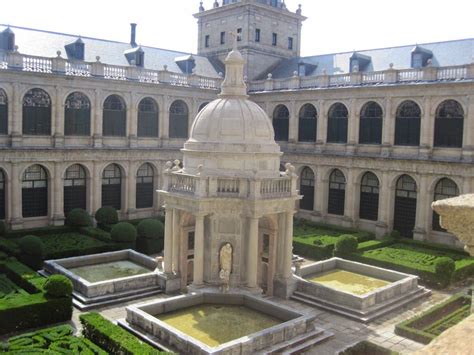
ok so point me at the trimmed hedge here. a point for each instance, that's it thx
(113, 338)
(40, 231)
(426, 326)
(375, 244)
(78, 218)
(346, 244)
(96, 233)
(150, 236)
(106, 215)
(32, 251)
(124, 233)
(444, 268)
(3, 228)
(58, 286)
(367, 348)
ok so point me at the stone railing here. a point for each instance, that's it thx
(60, 66)
(199, 186)
(389, 76)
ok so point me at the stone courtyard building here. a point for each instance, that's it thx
(375, 135)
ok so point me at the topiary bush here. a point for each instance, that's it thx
(106, 215)
(395, 234)
(124, 233)
(3, 228)
(58, 286)
(78, 218)
(150, 236)
(444, 268)
(345, 245)
(32, 251)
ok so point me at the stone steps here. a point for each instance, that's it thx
(299, 343)
(367, 316)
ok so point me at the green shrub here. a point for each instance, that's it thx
(150, 229)
(346, 245)
(78, 218)
(96, 233)
(395, 234)
(123, 233)
(444, 268)
(113, 338)
(3, 228)
(106, 215)
(365, 347)
(32, 251)
(58, 286)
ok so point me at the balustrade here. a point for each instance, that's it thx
(410, 75)
(450, 73)
(226, 187)
(182, 184)
(78, 69)
(273, 188)
(115, 72)
(37, 64)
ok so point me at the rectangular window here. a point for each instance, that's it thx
(239, 34)
(274, 39)
(257, 35)
(222, 37)
(417, 60)
(206, 41)
(290, 43)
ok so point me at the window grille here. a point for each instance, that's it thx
(147, 118)
(445, 188)
(369, 197)
(307, 124)
(179, 115)
(449, 124)
(337, 193)
(145, 186)
(370, 127)
(112, 187)
(114, 117)
(307, 189)
(257, 35)
(407, 124)
(75, 185)
(36, 113)
(274, 39)
(281, 122)
(405, 206)
(337, 124)
(77, 115)
(35, 192)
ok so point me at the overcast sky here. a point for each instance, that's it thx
(332, 26)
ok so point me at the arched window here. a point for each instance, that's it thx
(145, 186)
(307, 189)
(281, 123)
(369, 197)
(407, 124)
(75, 188)
(337, 124)
(77, 115)
(179, 119)
(370, 127)
(35, 192)
(202, 106)
(337, 193)
(307, 124)
(445, 188)
(112, 187)
(3, 112)
(37, 113)
(2, 195)
(405, 206)
(449, 124)
(147, 118)
(115, 117)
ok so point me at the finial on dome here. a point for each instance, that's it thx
(234, 84)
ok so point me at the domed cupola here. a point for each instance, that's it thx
(232, 136)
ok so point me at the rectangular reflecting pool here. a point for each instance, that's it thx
(108, 271)
(348, 281)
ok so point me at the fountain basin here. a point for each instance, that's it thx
(108, 277)
(260, 323)
(357, 290)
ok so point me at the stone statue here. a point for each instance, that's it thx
(225, 260)
(159, 263)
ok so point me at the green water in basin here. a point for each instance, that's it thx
(216, 324)
(109, 271)
(347, 281)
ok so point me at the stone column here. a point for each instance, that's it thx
(424, 199)
(131, 206)
(352, 198)
(385, 206)
(468, 134)
(96, 190)
(58, 196)
(58, 118)
(17, 116)
(352, 128)
(321, 135)
(388, 128)
(132, 122)
(176, 240)
(288, 245)
(165, 117)
(168, 250)
(293, 124)
(16, 198)
(198, 275)
(97, 119)
(427, 129)
(252, 253)
(322, 189)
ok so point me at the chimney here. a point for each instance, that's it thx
(133, 34)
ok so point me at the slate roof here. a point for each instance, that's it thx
(46, 44)
(457, 52)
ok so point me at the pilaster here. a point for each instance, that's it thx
(97, 118)
(252, 253)
(198, 272)
(423, 202)
(16, 198)
(427, 129)
(57, 128)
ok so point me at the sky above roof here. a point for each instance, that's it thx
(332, 26)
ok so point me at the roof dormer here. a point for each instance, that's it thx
(186, 63)
(420, 57)
(7, 40)
(75, 50)
(359, 62)
(135, 56)
(305, 69)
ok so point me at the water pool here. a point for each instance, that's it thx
(109, 271)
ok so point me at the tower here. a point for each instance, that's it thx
(267, 32)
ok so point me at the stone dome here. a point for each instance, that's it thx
(232, 136)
